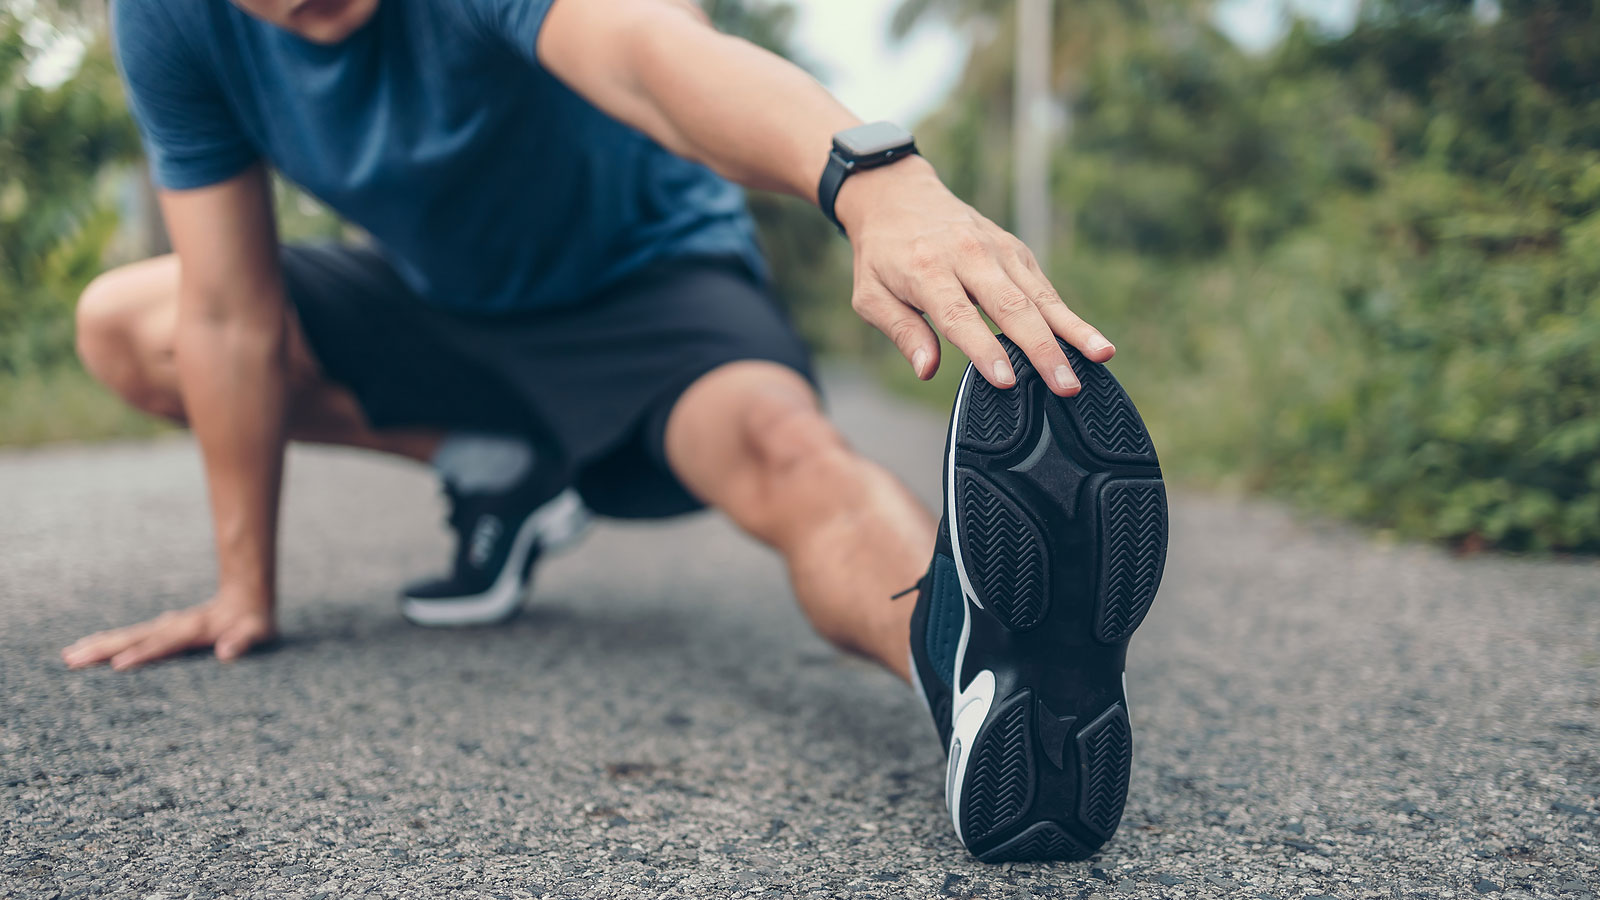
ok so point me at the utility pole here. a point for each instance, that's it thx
(1031, 115)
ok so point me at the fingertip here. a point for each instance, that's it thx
(919, 363)
(1002, 375)
(1100, 349)
(1063, 381)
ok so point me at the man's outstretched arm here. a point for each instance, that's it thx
(231, 346)
(757, 119)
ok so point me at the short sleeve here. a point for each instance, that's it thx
(515, 23)
(190, 133)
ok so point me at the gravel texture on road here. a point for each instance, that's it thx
(1316, 714)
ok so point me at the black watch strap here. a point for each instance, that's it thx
(833, 176)
(862, 147)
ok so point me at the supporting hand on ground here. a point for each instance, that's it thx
(920, 250)
(230, 622)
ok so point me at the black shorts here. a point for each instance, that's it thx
(590, 384)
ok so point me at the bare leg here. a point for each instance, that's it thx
(750, 439)
(126, 322)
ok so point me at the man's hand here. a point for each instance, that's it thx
(920, 250)
(658, 66)
(230, 622)
(230, 350)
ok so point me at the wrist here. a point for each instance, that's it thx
(249, 596)
(867, 190)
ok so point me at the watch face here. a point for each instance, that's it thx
(872, 139)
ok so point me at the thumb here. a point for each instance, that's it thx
(235, 641)
(911, 334)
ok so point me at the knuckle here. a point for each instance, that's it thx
(1044, 347)
(954, 309)
(971, 244)
(1012, 302)
(904, 332)
(1048, 294)
(925, 261)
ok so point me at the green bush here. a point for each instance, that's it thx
(1360, 271)
(55, 218)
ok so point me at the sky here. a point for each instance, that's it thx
(880, 79)
(875, 76)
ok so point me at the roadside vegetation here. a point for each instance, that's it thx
(1362, 271)
(1359, 271)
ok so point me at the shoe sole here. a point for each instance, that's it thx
(556, 524)
(1058, 524)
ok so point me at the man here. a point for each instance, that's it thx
(564, 295)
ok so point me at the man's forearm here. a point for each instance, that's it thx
(924, 261)
(745, 112)
(232, 374)
(749, 114)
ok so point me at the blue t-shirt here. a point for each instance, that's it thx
(487, 183)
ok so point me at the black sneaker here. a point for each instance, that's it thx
(499, 536)
(1049, 554)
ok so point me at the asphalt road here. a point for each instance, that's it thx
(1315, 713)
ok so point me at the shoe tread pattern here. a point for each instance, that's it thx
(1000, 780)
(1075, 804)
(1105, 758)
(1004, 552)
(994, 419)
(1106, 417)
(1042, 841)
(1133, 516)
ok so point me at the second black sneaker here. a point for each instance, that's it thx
(499, 537)
(1051, 548)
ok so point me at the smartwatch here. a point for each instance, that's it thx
(862, 147)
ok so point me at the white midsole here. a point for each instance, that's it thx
(558, 523)
(970, 706)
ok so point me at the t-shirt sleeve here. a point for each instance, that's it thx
(515, 23)
(190, 133)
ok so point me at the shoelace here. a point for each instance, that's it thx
(922, 584)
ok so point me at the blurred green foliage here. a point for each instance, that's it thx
(62, 150)
(56, 215)
(1363, 271)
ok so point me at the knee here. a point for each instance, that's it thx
(113, 345)
(805, 474)
(793, 443)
